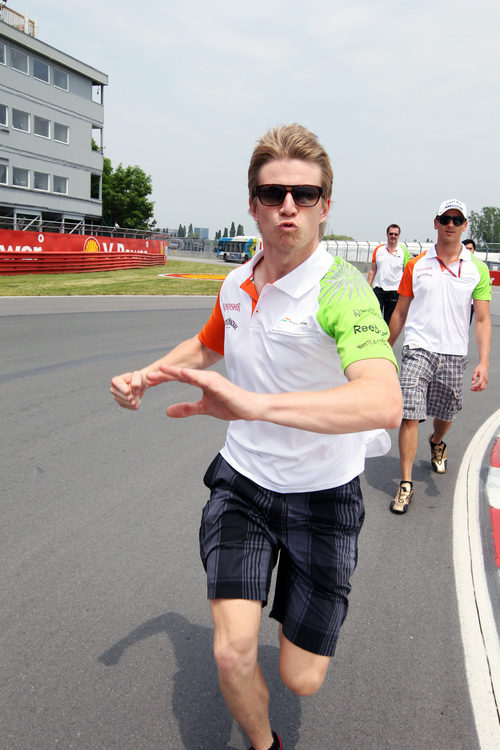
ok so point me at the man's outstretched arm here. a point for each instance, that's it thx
(370, 399)
(128, 388)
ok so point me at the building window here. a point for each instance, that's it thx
(19, 60)
(60, 185)
(95, 186)
(40, 181)
(61, 132)
(40, 70)
(3, 174)
(3, 54)
(41, 126)
(60, 79)
(20, 177)
(20, 120)
(3, 115)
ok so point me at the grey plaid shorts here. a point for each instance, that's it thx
(432, 384)
(246, 528)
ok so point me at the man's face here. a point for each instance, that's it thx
(392, 236)
(469, 246)
(449, 233)
(289, 226)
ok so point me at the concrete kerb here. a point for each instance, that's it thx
(477, 619)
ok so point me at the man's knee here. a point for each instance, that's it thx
(301, 671)
(235, 656)
(304, 682)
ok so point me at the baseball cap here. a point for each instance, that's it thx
(452, 203)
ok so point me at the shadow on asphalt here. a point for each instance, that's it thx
(198, 706)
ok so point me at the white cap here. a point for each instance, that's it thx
(452, 203)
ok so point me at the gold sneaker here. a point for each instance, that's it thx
(438, 456)
(403, 498)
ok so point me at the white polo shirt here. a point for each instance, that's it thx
(439, 315)
(389, 266)
(299, 335)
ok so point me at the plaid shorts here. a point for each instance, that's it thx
(432, 384)
(246, 528)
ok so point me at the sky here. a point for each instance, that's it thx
(404, 96)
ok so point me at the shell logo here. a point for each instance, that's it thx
(91, 245)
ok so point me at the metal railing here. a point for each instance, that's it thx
(19, 21)
(69, 226)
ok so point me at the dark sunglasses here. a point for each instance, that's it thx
(274, 195)
(393, 234)
(445, 220)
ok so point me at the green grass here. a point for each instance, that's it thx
(130, 281)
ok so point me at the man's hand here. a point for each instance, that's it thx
(220, 398)
(480, 378)
(128, 389)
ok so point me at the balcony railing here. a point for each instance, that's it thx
(19, 21)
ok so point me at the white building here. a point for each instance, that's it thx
(51, 112)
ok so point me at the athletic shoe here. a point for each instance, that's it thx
(403, 498)
(438, 456)
(276, 743)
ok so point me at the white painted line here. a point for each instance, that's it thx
(477, 622)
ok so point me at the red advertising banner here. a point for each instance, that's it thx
(50, 252)
(12, 241)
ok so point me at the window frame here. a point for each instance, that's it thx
(15, 51)
(55, 72)
(21, 169)
(36, 60)
(45, 174)
(4, 47)
(60, 177)
(62, 126)
(22, 112)
(6, 167)
(43, 119)
(6, 123)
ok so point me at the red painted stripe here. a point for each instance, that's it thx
(495, 454)
(495, 522)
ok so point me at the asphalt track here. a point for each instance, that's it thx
(105, 632)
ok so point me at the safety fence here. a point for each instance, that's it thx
(38, 252)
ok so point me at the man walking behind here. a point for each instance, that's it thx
(386, 270)
(434, 307)
(309, 372)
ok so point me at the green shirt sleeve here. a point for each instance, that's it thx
(350, 313)
(406, 255)
(482, 290)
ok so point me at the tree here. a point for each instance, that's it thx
(217, 235)
(240, 231)
(485, 225)
(190, 230)
(232, 231)
(337, 237)
(225, 232)
(125, 192)
(181, 232)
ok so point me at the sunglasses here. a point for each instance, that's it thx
(393, 234)
(445, 220)
(274, 195)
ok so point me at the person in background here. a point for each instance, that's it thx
(433, 307)
(471, 246)
(310, 378)
(386, 270)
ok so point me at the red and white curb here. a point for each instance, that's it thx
(477, 618)
(493, 491)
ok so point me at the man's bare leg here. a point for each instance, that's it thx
(301, 671)
(408, 444)
(237, 624)
(440, 429)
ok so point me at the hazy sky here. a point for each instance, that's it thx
(403, 95)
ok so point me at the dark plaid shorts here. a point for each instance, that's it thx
(432, 384)
(245, 529)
